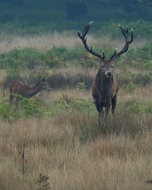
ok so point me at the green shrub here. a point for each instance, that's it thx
(82, 105)
(148, 64)
(88, 127)
(71, 105)
(81, 86)
(12, 75)
(20, 58)
(31, 107)
(130, 81)
(142, 79)
(136, 106)
(142, 56)
(62, 80)
(129, 87)
(5, 112)
(148, 107)
(25, 108)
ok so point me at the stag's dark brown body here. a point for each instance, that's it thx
(105, 85)
(104, 92)
(19, 88)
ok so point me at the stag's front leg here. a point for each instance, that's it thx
(11, 98)
(114, 103)
(100, 115)
(99, 108)
(107, 106)
(107, 110)
(101, 112)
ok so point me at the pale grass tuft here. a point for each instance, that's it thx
(140, 93)
(74, 151)
(3, 75)
(41, 42)
(53, 149)
(64, 39)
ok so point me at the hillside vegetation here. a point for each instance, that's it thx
(36, 16)
(54, 141)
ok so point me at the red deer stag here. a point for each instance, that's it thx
(19, 88)
(105, 85)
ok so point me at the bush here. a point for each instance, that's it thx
(135, 106)
(129, 87)
(31, 107)
(71, 105)
(20, 58)
(60, 80)
(11, 76)
(88, 127)
(25, 108)
(81, 86)
(142, 56)
(142, 79)
(131, 80)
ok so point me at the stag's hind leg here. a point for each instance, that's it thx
(114, 103)
(11, 99)
(14, 101)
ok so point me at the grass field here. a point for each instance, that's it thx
(56, 39)
(63, 139)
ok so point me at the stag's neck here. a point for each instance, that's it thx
(32, 91)
(105, 85)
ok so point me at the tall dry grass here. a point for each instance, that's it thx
(75, 152)
(117, 159)
(65, 39)
(72, 148)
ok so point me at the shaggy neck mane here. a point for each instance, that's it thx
(104, 85)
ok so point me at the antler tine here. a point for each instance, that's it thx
(103, 54)
(128, 35)
(113, 54)
(126, 32)
(132, 37)
(86, 29)
(84, 41)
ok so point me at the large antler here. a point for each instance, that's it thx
(128, 40)
(84, 41)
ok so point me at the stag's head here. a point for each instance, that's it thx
(106, 65)
(106, 69)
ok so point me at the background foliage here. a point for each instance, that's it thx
(37, 16)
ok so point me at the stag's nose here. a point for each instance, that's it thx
(109, 74)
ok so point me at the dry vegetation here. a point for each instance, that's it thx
(50, 40)
(75, 152)
(71, 148)
(119, 158)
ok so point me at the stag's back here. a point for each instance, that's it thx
(18, 87)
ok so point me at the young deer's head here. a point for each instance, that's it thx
(107, 64)
(43, 85)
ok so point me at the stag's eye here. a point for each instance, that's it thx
(103, 66)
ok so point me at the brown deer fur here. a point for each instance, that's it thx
(19, 88)
(104, 92)
(105, 85)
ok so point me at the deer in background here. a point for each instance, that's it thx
(18, 88)
(105, 85)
